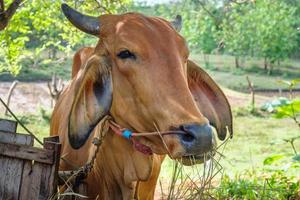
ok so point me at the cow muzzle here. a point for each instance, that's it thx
(197, 140)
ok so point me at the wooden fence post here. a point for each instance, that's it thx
(10, 91)
(252, 92)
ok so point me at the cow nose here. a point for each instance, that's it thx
(197, 139)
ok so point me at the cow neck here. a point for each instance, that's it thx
(108, 172)
(117, 170)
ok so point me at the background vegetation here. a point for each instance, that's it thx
(231, 39)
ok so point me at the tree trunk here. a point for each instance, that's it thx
(266, 64)
(6, 15)
(252, 92)
(237, 64)
(54, 52)
(243, 61)
(271, 68)
(206, 59)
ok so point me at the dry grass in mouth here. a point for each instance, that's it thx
(193, 182)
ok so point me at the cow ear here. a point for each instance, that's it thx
(92, 99)
(210, 99)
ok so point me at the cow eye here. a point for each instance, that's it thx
(125, 54)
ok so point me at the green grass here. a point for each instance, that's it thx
(222, 69)
(255, 139)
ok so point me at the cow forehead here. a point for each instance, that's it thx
(138, 32)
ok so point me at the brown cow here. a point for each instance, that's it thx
(140, 75)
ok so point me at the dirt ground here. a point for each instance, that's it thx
(28, 97)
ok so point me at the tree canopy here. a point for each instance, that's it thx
(39, 25)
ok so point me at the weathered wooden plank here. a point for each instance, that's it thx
(10, 177)
(42, 177)
(30, 187)
(52, 143)
(27, 153)
(11, 168)
(7, 137)
(26, 182)
(8, 125)
(39, 182)
(45, 184)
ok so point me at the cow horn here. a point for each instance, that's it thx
(177, 23)
(87, 24)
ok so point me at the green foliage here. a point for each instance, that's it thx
(12, 42)
(258, 186)
(276, 31)
(271, 159)
(238, 30)
(290, 110)
(199, 29)
(40, 26)
(265, 29)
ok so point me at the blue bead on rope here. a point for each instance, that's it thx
(127, 134)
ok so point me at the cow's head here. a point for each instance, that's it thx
(140, 74)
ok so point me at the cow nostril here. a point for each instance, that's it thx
(188, 136)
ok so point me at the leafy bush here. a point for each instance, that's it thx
(258, 186)
(272, 106)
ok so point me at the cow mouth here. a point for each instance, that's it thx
(196, 159)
